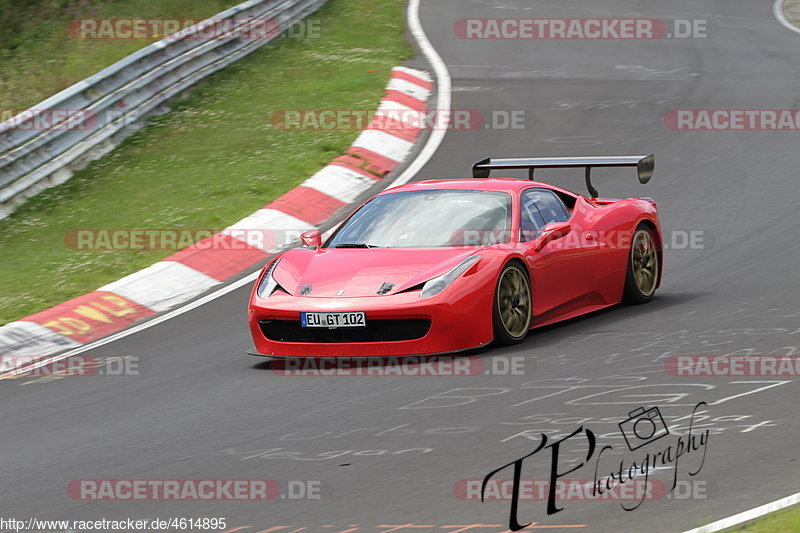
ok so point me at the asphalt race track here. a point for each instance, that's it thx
(203, 409)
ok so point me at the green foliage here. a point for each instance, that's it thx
(213, 160)
(39, 57)
(784, 521)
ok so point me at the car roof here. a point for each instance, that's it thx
(480, 184)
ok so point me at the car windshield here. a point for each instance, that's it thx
(435, 218)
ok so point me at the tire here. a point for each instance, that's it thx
(512, 311)
(644, 267)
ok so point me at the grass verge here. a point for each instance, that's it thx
(39, 58)
(783, 521)
(213, 160)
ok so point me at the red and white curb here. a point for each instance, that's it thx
(180, 277)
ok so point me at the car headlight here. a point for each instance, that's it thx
(440, 283)
(268, 284)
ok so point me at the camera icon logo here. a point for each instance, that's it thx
(643, 427)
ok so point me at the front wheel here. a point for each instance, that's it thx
(512, 305)
(643, 267)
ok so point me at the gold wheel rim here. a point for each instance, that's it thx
(514, 301)
(644, 262)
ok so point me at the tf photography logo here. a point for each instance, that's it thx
(643, 427)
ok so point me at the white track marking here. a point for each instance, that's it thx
(384, 144)
(269, 220)
(424, 76)
(150, 323)
(409, 88)
(442, 98)
(28, 338)
(443, 103)
(162, 285)
(777, 10)
(339, 182)
(746, 516)
(403, 111)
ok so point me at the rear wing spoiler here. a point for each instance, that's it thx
(644, 166)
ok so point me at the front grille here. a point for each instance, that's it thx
(404, 329)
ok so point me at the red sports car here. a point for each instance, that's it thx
(448, 265)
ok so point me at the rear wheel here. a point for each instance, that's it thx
(643, 267)
(512, 305)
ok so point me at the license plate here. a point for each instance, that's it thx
(353, 319)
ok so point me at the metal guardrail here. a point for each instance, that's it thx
(123, 95)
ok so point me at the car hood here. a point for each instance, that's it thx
(359, 272)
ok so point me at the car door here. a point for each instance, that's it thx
(562, 271)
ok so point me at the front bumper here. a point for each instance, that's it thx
(458, 320)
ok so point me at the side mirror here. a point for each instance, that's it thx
(551, 232)
(312, 238)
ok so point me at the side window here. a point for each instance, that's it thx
(539, 207)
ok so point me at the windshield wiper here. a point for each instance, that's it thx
(356, 245)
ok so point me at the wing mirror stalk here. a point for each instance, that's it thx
(551, 232)
(312, 238)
